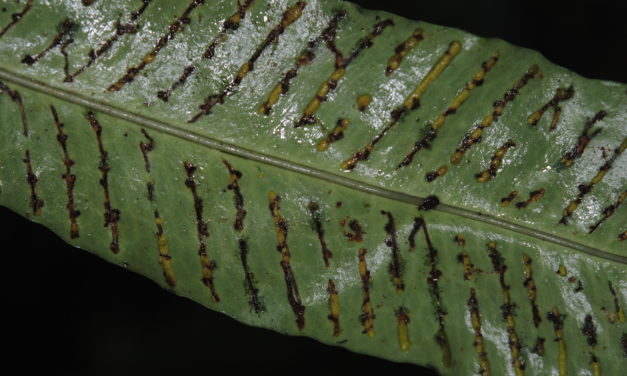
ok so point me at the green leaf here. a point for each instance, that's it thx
(200, 199)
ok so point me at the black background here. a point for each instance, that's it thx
(67, 311)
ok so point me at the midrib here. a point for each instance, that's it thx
(209, 142)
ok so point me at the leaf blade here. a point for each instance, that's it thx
(171, 166)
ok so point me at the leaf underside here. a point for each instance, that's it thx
(279, 161)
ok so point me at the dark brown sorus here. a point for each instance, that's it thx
(111, 215)
(314, 209)
(68, 176)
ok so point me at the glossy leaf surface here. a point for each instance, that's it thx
(416, 305)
